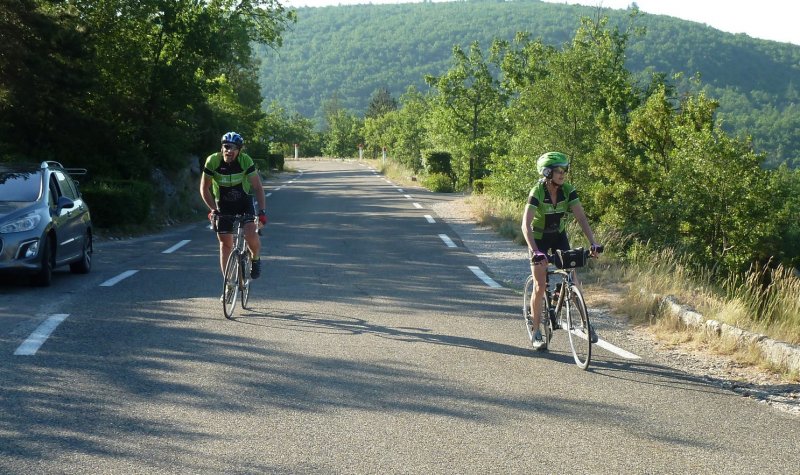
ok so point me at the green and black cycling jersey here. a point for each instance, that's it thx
(551, 217)
(230, 181)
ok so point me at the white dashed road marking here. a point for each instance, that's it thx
(176, 247)
(485, 278)
(430, 219)
(32, 344)
(417, 205)
(449, 242)
(118, 278)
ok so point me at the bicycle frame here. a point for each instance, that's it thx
(576, 321)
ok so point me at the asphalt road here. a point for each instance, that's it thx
(370, 347)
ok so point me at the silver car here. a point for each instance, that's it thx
(44, 222)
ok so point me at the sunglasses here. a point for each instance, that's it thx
(229, 146)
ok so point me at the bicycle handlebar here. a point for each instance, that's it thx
(578, 250)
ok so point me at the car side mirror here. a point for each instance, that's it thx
(65, 203)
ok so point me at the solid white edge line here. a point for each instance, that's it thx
(417, 205)
(609, 347)
(430, 219)
(449, 242)
(617, 350)
(176, 246)
(485, 278)
(118, 278)
(36, 339)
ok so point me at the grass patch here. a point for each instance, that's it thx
(394, 171)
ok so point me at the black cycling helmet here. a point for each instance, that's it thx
(234, 138)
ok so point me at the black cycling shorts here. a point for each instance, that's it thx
(550, 242)
(225, 225)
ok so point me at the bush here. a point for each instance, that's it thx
(276, 161)
(118, 202)
(438, 162)
(478, 186)
(262, 165)
(438, 182)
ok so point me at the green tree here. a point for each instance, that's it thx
(343, 135)
(380, 103)
(129, 85)
(46, 76)
(379, 132)
(409, 132)
(469, 100)
(717, 184)
(563, 100)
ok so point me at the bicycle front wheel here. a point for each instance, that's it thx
(578, 328)
(244, 279)
(230, 286)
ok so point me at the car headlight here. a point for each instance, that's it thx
(25, 223)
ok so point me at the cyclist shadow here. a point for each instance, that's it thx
(602, 365)
(641, 372)
(635, 371)
(320, 322)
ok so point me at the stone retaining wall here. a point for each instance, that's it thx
(778, 353)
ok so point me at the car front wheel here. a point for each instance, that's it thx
(44, 277)
(84, 265)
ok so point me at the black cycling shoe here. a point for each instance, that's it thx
(255, 270)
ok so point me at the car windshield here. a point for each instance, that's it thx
(20, 186)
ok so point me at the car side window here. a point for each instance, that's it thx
(66, 185)
(53, 195)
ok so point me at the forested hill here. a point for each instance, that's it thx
(349, 52)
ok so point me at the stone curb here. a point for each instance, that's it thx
(778, 353)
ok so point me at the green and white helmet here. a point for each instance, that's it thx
(550, 160)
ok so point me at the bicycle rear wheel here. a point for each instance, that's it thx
(230, 286)
(544, 321)
(578, 328)
(244, 279)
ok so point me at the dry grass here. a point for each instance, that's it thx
(671, 331)
(394, 171)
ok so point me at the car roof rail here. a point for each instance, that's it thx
(71, 171)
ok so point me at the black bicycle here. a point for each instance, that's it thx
(563, 306)
(236, 281)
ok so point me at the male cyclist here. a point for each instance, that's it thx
(227, 186)
(544, 226)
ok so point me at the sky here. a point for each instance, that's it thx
(776, 20)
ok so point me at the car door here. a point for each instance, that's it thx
(70, 221)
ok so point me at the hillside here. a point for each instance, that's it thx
(350, 51)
